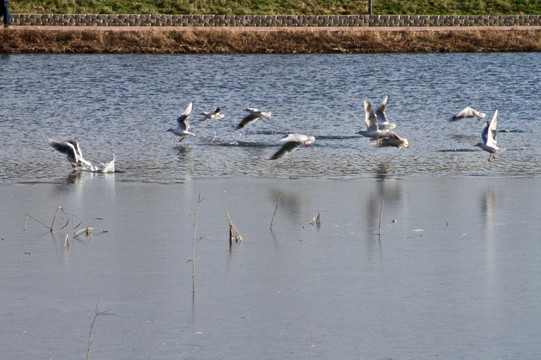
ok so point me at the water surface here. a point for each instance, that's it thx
(123, 104)
(454, 275)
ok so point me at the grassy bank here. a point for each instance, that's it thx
(284, 41)
(280, 7)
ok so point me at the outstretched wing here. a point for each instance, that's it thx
(491, 131)
(286, 149)
(183, 118)
(370, 116)
(64, 148)
(380, 112)
(484, 132)
(247, 120)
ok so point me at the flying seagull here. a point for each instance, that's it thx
(467, 112)
(372, 129)
(183, 125)
(212, 115)
(392, 139)
(488, 135)
(73, 152)
(292, 141)
(381, 117)
(253, 116)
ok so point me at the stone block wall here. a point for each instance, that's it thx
(272, 20)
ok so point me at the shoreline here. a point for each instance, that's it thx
(19, 39)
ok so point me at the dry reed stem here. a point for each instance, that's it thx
(234, 235)
(380, 215)
(39, 222)
(56, 212)
(88, 231)
(316, 220)
(275, 209)
(96, 314)
(194, 214)
(312, 346)
(69, 218)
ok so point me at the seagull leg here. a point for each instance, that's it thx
(182, 138)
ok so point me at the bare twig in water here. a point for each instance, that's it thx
(380, 215)
(67, 241)
(234, 235)
(96, 314)
(312, 346)
(316, 220)
(275, 209)
(86, 230)
(39, 222)
(55, 213)
(194, 214)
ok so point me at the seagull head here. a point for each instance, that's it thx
(309, 141)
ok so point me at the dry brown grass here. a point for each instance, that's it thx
(235, 41)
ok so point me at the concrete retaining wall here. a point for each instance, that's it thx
(272, 20)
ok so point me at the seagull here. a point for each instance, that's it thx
(253, 116)
(292, 141)
(392, 139)
(488, 134)
(467, 112)
(372, 131)
(383, 123)
(73, 152)
(183, 125)
(212, 115)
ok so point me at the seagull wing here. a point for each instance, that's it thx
(484, 132)
(466, 112)
(286, 149)
(247, 120)
(380, 112)
(370, 116)
(491, 131)
(65, 148)
(183, 118)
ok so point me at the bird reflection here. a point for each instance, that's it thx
(185, 158)
(382, 172)
(488, 205)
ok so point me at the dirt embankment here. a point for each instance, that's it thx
(278, 40)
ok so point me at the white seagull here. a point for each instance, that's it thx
(183, 125)
(253, 116)
(488, 135)
(392, 139)
(292, 141)
(383, 123)
(467, 112)
(212, 115)
(73, 152)
(372, 129)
